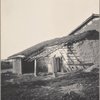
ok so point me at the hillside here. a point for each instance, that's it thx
(75, 86)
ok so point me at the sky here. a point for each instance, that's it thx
(25, 23)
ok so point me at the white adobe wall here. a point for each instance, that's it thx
(64, 52)
(50, 63)
(17, 66)
(57, 53)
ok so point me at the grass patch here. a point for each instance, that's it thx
(28, 87)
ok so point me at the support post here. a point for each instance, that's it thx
(54, 67)
(35, 67)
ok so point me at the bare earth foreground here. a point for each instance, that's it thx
(77, 86)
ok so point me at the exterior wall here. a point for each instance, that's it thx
(88, 51)
(50, 69)
(17, 66)
(50, 65)
(64, 61)
(58, 53)
(42, 65)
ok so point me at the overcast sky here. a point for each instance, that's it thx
(25, 23)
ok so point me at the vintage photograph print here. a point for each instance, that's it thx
(50, 49)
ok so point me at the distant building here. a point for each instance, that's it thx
(78, 50)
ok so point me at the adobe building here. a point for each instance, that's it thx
(78, 50)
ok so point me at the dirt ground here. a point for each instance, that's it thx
(75, 86)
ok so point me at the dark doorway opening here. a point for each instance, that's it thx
(27, 67)
(58, 64)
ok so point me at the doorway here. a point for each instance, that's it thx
(58, 64)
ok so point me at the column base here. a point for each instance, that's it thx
(54, 74)
(35, 75)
